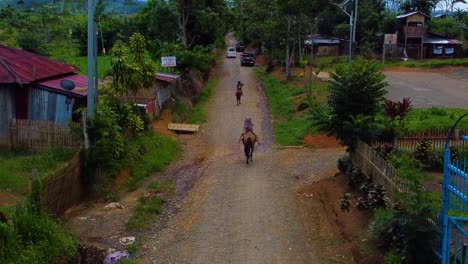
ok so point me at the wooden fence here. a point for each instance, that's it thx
(374, 166)
(64, 188)
(39, 135)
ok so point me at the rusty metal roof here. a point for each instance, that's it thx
(81, 84)
(166, 77)
(22, 67)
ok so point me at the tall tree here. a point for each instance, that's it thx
(132, 69)
(424, 6)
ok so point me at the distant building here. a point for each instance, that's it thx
(323, 45)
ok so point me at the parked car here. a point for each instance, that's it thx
(240, 47)
(231, 52)
(247, 59)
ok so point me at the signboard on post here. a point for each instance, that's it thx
(390, 45)
(390, 39)
(168, 61)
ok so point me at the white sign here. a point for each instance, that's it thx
(168, 61)
(390, 39)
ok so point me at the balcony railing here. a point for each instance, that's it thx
(414, 32)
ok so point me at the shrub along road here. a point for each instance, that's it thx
(238, 213)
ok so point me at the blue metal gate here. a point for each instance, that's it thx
(453, 219)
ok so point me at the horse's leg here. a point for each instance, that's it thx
(251, 152)
(246, 151)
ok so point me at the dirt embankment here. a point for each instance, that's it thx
(342, 236)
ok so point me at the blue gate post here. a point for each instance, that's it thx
(445, 243)
(445, 204)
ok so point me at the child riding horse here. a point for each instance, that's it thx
(248, 138)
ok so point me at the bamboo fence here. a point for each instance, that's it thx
(39, 135)
(65, 188)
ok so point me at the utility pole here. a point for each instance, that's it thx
(356, 3)
(91, 59)
(342, 6)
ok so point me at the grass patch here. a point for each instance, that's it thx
(289, 127)
(432, 63)
(16, 167)
(104, 64)
(31, 236)
(434, 118)
(165, 186)
(147, 208)
(199, 113)
(149, 153)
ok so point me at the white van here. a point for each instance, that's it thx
(231, 52)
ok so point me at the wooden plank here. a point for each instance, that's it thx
(183, 127)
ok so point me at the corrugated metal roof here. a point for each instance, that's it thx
(81, 84)
(410, 14)
(166, 77)
(22, 67)
(442, 41)
(317, 39)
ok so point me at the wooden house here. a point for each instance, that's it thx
(411, 29)
(30, 89)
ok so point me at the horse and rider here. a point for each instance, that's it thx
(239, 92)
(248, 138)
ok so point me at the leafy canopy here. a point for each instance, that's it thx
(357, 93)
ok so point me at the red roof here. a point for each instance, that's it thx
(22, 67)
(166, 77)
(81, 84)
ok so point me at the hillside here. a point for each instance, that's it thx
(118, 6)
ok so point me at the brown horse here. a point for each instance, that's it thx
(249, 139)
(238, 96)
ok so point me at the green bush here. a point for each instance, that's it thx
(394, 257)
(113, 124)
(29, 235)
(356, 94)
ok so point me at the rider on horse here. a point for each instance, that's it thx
(239, 85)
(248, 127)
(239, 92)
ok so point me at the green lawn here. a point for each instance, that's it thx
(430, 63)
(290, 127)
(104, 64)
(16, 168)
(435, 118)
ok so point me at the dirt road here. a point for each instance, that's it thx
(225, 211)
(238, 213)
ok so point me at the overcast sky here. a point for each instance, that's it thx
(461, 6)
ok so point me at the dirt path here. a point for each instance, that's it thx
(240, 213)
(226, 211)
